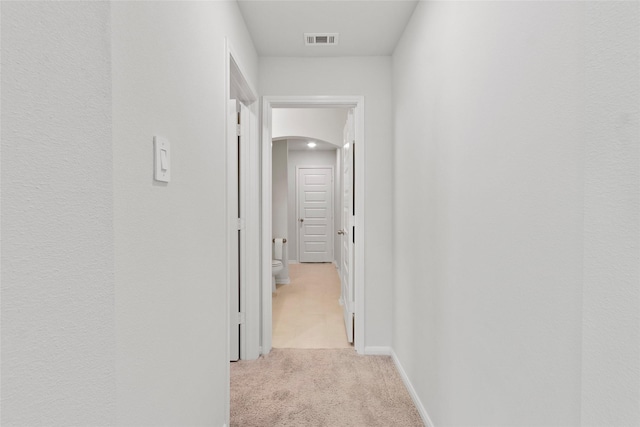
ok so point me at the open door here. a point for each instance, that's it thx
(238, 123)
(347, 233)
(234, 234)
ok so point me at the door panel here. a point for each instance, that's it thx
(315, 247)
(315, 230)
(316, 213)
(237, 165)
(315, 220)
(234, 213)
(348, 223)
(315, 196)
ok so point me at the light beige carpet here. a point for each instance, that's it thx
(319, 387)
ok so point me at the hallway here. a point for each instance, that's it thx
(306, 312)
(500, 162)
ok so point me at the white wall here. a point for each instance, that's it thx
(302, 158)
(611, 290)
(280, 200)
(321, 123)
(112, 294)
(371, 78)
(169, 79)
(516, 212)
(58, 329)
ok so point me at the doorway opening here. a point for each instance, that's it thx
(242, 204)
(243, 211)
(330, 229)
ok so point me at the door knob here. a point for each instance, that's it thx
(301, 220)
(340, 231)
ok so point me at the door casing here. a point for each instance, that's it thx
(268, 104)
(239, 86)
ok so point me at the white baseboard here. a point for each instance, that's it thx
(293, 261)
(412, 391)
(378, 351)
(283, 281)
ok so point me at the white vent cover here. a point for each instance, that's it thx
(320, 39)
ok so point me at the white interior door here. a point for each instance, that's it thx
(348, 226)
(234, 236)
(238, 123)
(315, 214)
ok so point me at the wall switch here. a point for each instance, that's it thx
(162, 159)
(164, 165)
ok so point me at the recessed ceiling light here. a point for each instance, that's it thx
(311, 144)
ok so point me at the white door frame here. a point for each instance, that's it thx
(268, 104)
(333, 202)
(236, 83)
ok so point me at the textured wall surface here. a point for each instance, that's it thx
(280, 184)
(170, 239)
(58, 340)
(279, 202)
(611, 298)
(516, 212)
(369, 77)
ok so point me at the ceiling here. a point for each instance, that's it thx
(366, 27)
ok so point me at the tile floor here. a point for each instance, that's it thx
(306, 312)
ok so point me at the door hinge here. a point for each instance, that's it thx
(241, 318)
(238, 130)
(240, 224)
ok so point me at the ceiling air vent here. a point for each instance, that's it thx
(320, 39)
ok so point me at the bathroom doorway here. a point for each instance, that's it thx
(351, 311)
(306, 312)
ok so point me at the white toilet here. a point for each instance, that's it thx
(276, 267)
(278, 263)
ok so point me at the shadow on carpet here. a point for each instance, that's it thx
(319, 387)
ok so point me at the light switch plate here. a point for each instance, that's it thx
(162, 159)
